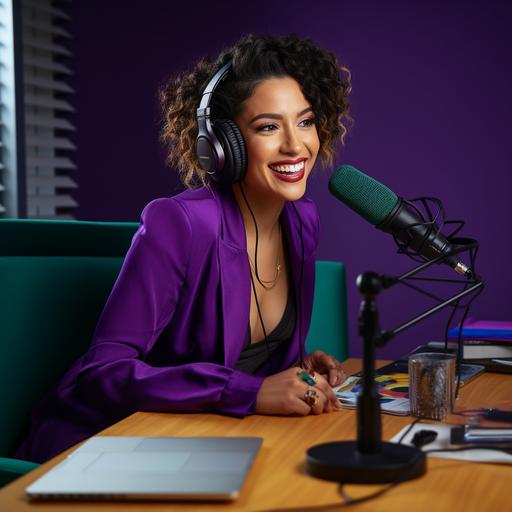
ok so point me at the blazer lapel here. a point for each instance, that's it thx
(234, 277)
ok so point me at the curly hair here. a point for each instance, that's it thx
(323, 81)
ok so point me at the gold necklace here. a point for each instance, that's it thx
(268, 285)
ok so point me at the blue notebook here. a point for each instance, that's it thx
(484, 330)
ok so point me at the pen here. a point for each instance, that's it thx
(506, 362)
(497, 414)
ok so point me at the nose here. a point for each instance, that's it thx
(291, 143)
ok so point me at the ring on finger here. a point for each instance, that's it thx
(311, 397)
(306, 377)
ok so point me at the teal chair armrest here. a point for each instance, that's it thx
(328, 329)
(10, 469)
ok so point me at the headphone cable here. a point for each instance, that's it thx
(256, 269)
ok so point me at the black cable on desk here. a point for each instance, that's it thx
(380, 492)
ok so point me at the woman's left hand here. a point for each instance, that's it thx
(327, 366)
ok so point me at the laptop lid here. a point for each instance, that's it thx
(160, 468)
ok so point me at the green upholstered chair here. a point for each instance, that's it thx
(55, 277)
(328, 329)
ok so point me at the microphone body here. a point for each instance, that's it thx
(403, 222)
(386, 211)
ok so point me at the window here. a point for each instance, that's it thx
(37, 152)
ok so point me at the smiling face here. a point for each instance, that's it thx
(277, 123)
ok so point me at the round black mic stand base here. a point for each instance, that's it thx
(342, 462)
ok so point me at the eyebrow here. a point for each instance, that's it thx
(269, 115)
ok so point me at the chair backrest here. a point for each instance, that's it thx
(55, 277)
(328, 330)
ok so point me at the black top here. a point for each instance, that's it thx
(256, 354)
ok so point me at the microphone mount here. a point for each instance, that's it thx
(370, 460)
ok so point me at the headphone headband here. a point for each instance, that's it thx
(220, 146)
(210, 87)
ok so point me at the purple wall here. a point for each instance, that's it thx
(431, 102)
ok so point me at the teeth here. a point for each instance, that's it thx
(288, 169)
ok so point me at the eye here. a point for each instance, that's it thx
(263, 128)
(310, 121)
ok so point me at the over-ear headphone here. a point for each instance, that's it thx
(220, 146)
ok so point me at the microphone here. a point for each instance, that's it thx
(386, 211)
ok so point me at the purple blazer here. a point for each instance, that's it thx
(175, 322)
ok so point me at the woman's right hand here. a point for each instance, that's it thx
(283, 394)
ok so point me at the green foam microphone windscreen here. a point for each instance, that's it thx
(366, 196)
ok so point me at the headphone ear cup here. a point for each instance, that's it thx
(235, 152)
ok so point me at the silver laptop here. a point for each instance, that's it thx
(151, 468)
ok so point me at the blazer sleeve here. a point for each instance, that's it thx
(113, 375)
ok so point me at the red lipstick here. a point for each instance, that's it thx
(290, 177)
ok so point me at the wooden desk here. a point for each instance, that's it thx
(278, 481)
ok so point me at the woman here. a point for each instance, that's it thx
(213, 302)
